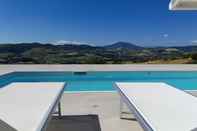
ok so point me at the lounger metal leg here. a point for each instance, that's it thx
(123, 113)
(121, 106)
(59, 110)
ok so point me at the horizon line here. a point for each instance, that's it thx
(55, 44)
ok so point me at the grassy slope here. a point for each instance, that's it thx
(177, 61)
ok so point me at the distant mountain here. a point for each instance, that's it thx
(123, 45)
(75, 47)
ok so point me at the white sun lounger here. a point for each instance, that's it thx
(160, 107)
(28, 106)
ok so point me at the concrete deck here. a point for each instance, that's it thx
(105, 105)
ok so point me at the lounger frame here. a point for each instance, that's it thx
(57, 104)
(144, 124)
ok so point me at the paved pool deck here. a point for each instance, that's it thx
(103, 104)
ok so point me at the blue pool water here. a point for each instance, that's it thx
(103, 81)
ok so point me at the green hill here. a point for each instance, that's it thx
(120, 52)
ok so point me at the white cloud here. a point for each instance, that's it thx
(165, 35)
(194, 42)
(63, 42)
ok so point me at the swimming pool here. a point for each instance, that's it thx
(103, 81)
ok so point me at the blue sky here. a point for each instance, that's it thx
(99, 22)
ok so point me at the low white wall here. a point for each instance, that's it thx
(101, 67)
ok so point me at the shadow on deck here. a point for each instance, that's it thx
(75, 123)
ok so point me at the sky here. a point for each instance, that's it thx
(96, 22)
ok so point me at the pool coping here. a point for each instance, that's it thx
(114, 91)
(10, 68)
(98, 67)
